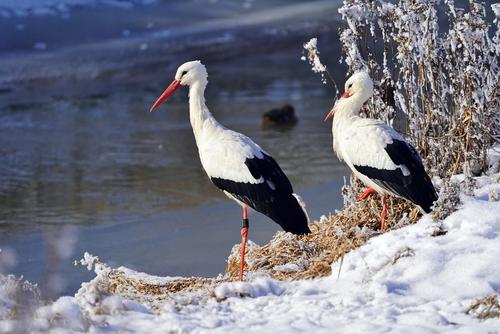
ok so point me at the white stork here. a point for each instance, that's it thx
(375, 152)
(235, 164)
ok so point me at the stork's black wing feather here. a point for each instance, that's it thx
(272, 197)
(416, 187)
(269, 169)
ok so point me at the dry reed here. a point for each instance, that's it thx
(485, 308)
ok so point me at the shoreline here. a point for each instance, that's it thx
(204, 235)
(387, 282)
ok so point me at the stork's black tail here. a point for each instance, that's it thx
(290, 214)
(281, 206)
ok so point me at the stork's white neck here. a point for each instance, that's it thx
(199, 115)
(346, 112)
(350, 106)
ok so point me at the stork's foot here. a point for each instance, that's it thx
(366, 193)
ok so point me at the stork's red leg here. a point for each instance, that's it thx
(244, 234)
(384, 213)
(366, 193)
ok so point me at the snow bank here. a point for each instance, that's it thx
(405, 280)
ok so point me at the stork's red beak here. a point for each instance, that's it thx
(330, 114)
(166, 94)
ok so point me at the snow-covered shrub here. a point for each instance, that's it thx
(442, 79)
(448, 200)
(18, 300)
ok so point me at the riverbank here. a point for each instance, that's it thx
(192, 241)
(440, 271)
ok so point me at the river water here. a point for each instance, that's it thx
(85, 167)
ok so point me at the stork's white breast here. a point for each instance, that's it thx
(363, 143)
(223, 154)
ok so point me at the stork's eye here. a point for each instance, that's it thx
(183, 72)
(350, 85)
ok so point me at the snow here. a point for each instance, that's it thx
(405, 280)
(311, 44)
(313, 57)
(311, 47)
(496, 9)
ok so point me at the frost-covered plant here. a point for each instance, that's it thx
(313, 57)
(443, 81)
(347, 191)
(19, 299)
(448, 200)
(311, 48)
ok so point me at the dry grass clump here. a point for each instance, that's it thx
(285, 257)
(180, 291)
(120, 283)
(288, 256)
(485, 308)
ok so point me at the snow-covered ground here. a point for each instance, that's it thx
(405, 281)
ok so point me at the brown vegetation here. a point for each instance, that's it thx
(486, 308)
(285, 257)
(312, 255)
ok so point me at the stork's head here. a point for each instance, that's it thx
(191, 72)
(357, 89)
(187, 74)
